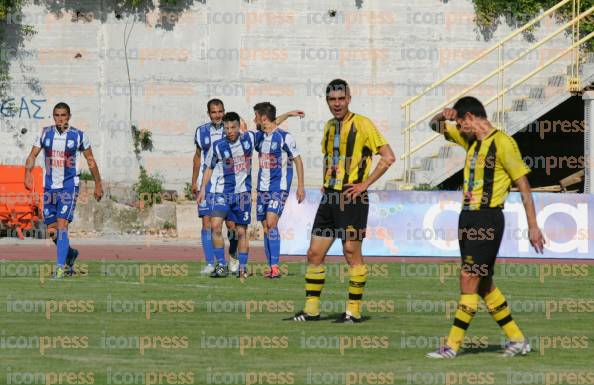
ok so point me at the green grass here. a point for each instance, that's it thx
(209, 320)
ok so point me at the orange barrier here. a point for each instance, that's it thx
(20, 209)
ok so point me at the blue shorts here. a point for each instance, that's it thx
(270, 202)
(232, 207)
(59, 203)
(205, 206)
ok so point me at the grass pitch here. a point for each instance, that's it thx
(163, 323)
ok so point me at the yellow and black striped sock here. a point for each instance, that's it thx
(315, 276)
(500, 312)
(466, 310)
(358, 278)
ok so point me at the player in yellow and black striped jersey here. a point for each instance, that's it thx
(348, 144)
(493, 162)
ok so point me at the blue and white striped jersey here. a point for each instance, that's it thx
(234, 163)
(277, 150)
(61, 155)
(204, 137)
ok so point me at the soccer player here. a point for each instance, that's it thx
(277, 152)
(62, 144)
(348, 144)
(231, 200)
(493, 161)
(204, 137)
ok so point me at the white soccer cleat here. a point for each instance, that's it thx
(233, 265)
(512, 348)
(443, 352)
(207, 269)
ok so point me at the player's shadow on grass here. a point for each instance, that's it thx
(493, 348)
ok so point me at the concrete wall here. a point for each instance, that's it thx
(243, 52)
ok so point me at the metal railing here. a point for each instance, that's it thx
(574, 83)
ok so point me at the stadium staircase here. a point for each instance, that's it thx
(429, 160)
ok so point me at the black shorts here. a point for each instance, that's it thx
(341, 217)
(479, 234)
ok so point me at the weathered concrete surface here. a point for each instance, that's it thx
(243, 52)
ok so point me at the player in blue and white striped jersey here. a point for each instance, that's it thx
(62, 145)
(277, 153)
(231, 157)
(204, 137)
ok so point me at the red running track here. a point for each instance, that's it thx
(150, 252)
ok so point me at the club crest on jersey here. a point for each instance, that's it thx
(70, 143)
(47, 142)
(273, 146)
(246, 145)
(206, 140)
(226, 154)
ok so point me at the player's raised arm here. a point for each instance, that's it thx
(94, 169)
(437, 123)
(281, 118)
(29, 164)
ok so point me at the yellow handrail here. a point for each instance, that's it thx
(573, 80)
(485, 53)
(514, 85)
(497, 70)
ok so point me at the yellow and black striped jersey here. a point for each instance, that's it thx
(348, 146)
(491, 165)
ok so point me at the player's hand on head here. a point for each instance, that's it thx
(537, 240)
(450, 114)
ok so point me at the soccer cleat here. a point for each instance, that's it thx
(512, 348)
(233, 264)
(303, 317)
(207, 269)
(346, 318)
(242, 273)
(443, 352)
(220, 271)
(59, 273)
(69, 271)
(273, 272)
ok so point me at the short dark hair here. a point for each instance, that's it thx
(266, 109)
(232, 117)
(337, 85)
(214, 102)
(62, 106)
(471, 105)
